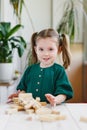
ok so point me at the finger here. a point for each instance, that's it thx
(10, 96)
(54, 104)
(13, 95)
(9, 101)
(48, 95)
(18, 91)
(50, 100)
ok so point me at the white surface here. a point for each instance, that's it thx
(77, 111)
(19, 120)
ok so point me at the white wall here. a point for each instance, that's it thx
(40, 13)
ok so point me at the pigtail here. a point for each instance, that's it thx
(32, 54)
(66, 55)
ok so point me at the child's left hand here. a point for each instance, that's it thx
(55, 99)
(51, 99)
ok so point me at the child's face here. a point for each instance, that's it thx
(46, 50)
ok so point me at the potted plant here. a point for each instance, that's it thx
(8, 43)
(72, 19)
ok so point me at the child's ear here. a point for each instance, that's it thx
(59, 49)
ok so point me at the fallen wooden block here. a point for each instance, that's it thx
(83, 119)
(51, 117)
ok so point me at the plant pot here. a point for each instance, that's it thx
(6, 72)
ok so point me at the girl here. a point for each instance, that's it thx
(45, 78)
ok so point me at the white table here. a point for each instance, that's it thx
(18, 121)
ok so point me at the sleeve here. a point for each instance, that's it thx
(63, 86)
(22, 84)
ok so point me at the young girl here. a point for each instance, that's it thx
(45, 78)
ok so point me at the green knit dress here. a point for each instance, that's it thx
(40, 81)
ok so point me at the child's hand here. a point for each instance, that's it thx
(55, 99)
(14, 95)
(51, 99)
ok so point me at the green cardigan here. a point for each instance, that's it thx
(40, 81)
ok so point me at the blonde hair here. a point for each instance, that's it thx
(63, 42)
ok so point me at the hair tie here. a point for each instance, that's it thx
(61, 36)
(60, 39)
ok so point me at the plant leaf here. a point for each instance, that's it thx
(13, 30)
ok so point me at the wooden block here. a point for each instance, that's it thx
(51, 117)
(83, 119)
(11, 111)
(43, 103)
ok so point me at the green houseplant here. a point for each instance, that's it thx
(8, 43)
(72, 19)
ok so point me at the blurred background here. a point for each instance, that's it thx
(66, 16)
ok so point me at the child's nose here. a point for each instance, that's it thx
(46, 52)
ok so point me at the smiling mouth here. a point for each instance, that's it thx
(46, 59)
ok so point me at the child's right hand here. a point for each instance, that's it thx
(12, 96)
